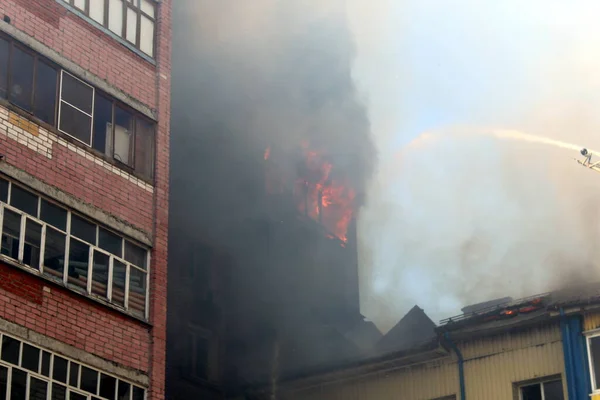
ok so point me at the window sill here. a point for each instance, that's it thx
(106, 31)
(5, 103)
(25, 268)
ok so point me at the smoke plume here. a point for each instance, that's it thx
(453, 219)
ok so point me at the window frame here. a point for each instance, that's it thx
(92, 248)
(538, 381)
(50, 380)
(196, 333)
(147, 176)
(136, 7)
(588, 339)
(61, 101)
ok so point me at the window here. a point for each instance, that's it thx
(593, 347)
(28, 81)
(25, 368)
(69, 248)
(75, 108)
(133, 20)
(199, 347)
(546, 390)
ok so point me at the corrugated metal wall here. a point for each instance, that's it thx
(591, 321)
(492, 365)
(426, 381)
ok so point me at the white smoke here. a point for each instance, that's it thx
(453, 220)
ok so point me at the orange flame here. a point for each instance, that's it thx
(318, 196)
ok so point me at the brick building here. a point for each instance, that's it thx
(84, 140)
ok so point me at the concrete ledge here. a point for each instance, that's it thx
(75, 204)
(75, 69)
(56, 346)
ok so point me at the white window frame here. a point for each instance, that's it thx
(61, 101)
(541, 383)
(50, 380)
(135, 6)
(588, 339)
(68, 237)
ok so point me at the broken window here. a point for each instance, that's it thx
(123, 136)
(545, 390)
(198, 356)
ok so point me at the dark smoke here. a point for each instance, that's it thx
(247, 75)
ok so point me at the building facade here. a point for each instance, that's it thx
(545, 347)
(84, 145)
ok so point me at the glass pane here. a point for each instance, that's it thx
(33, 241)
(83, 229)
(102, 124)
(24, 200)
(3, 190)
(54, 253)
(118, 289)
(75, 123)
(38, 389)
(31, 358)
(137, 291)
(108, 384)
(73, 374)
(78, 263)
(77, 93)
(10, 350)
(4, 50)
(18, 384)
(147, 36)
(100, 274)
(44, 102)
(144, 148)
(54, 215)
(59, 392)
(89, 380)
(3, 382)
(21, 80)
(124, 391)
(59, 371)
(148, 7)
(11, 230)
(138, 393)
(531, 392)
(135, 254)
(123, 136)
(553, 390)
(115, 16)
(76, 396)
(110, 242)
(595, 353)
(131, 26)
(80, 4)
(46, 363)
(97, 11)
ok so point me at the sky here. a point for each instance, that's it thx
(455, 220)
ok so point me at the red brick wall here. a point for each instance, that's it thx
(63, 315)
(84, 179)
(81, 42)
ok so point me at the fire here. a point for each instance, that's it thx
(318, 195)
